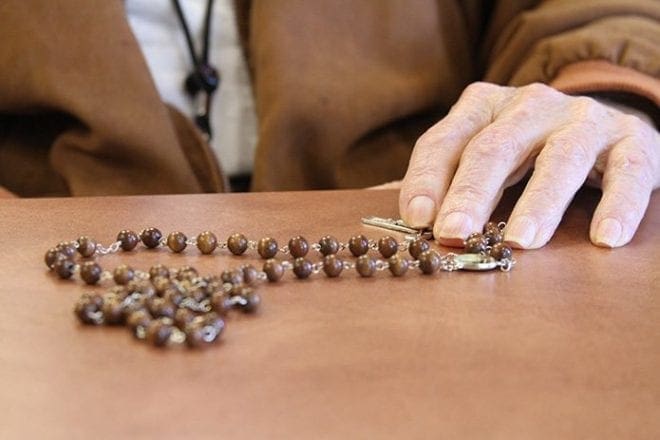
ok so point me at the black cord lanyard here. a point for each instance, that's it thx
(204, 76)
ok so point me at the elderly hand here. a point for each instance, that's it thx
(492, 137)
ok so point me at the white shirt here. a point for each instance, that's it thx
(159, 33)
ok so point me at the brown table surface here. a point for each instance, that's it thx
(567, 345)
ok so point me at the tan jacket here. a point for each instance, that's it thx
(343, 87)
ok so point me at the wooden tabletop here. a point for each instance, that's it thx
(567, 345)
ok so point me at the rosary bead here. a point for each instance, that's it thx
(176, 241)
(158, 270)
(475, 245)
(398, 266)
(328, 245)
(250, 274)
(332, 266)
(417, 246)
(113, 312)
(358, 245)
(173, 295)
(64, 268)
(491, 226)
(196, 295)
(273, 269)
(476, 235)
(493, 237)
(151, 237)
(232, 276)
(86, 247)
(429, 262)
(158, 332)
(207, 242)
(500, 251)
(51, 256)
(216, 322)
(90, 272)
(88, 309)
(138, 318)
(123, 274)
(365, 266)
(186, 273)
(67, 249)
(194, 334)
(302, 267)
(220, 304)
(267, 247)
(387, 246)
(161, 284)
(127, 239)
(298, 247)
(183, 317)
(251, 302)
(237, 244)
(160, 307)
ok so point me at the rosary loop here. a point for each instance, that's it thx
(179, 307)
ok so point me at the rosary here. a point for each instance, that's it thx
(174, 307)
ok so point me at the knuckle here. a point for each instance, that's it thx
(480, 88)
(493, 145)
(538, 91)
(466, 195)
(634, 162)
(568, 150)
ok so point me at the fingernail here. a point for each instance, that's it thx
(608, 233)
(520, 232)
(456, 225)
(421, 211)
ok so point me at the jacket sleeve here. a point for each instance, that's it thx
(79, 112)
(579, 47)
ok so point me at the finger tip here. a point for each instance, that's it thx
(419, 212)
(608, 233)
(453, 229)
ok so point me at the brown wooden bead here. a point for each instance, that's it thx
(302, 268)
(387, 246)
(267, 247)
(216, 322)
(88, 309)
(186, 273)
(237, 244)
(220, 303)
(158, 332)
(51, 256)
(491, 226)
(64, 268)
(158, 270)
(251, 302)
(67, 249)
(298, 247)
(160, 307)
(86, 247)
(358, 245)
(250, 274)
(328, 245)
(332, 265)
(90, 272)
(176, 241)
(113, 312)
(195, 334)
(127, 239)
(493, 237)
(151, 237)
(500, 251)
(273, 269)
(365, 265)
(476, 235)
(138, 318)
(398, 265)
(183, 317)
(475, 245)
(232, 276)
(417, 246)
(207, 242)
(173, 295)
(161, 284)
(123, 274)
(429, 262)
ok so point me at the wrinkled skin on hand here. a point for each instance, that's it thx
(494, 135)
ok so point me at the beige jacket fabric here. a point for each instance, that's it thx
(343, 87)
